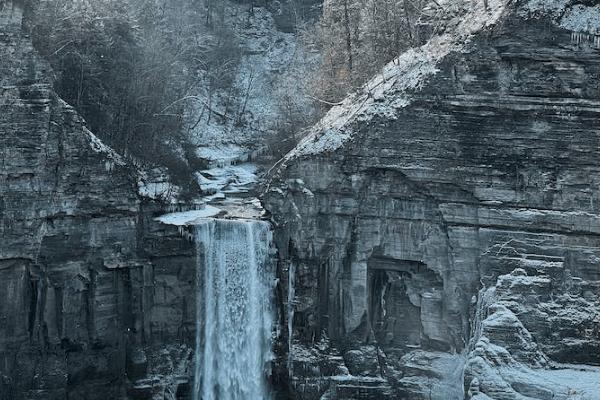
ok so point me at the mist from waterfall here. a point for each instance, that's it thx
(234, 310)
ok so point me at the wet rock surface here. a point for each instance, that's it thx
(407, 201)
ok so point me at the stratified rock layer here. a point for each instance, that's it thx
(96, 302)
(470, 158)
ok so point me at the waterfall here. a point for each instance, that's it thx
(234, 311)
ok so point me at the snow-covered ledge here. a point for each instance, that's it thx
(188, 218)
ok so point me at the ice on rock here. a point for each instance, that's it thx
(228, 179)
(189, 217)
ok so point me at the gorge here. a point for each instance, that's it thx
(435, 235)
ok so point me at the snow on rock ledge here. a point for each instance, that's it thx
(568, 14)
(234, 209)
(391, 89)
(188, 218)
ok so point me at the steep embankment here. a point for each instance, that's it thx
(93, 292)
(446, 218)
(240, 105)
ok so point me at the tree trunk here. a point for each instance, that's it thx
(348, 35)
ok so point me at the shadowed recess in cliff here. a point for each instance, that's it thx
(234, 320)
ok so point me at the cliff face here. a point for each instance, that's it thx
(90, 285)
(438, 232)
(440, 229)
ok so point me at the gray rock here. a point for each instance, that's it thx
(89, 282)
(440, 226)
(467, 159)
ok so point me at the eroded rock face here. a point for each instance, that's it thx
(507, 359)
(464, 162)
(95, 295)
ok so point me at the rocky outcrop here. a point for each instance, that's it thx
(95, 294)
(509, 361)
(469, 163)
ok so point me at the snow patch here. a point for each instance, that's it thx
(229, 124)
(188, 218)
(155, 184)
(551, 7)
(575, 17)
(221, 155)
(228, 179)
(580, 18)
(99, 147)
(582, 380)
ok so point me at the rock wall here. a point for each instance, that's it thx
(438, 232)
(469, 164)
(95, 295)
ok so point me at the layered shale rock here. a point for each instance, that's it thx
(507, 359)
(469, 163)
(95, 296)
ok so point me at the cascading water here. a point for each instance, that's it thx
(234, 317)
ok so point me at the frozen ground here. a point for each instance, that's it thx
(227, 208)
(583, 380)
(228, 179)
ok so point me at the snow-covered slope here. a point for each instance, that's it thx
(391, 89)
